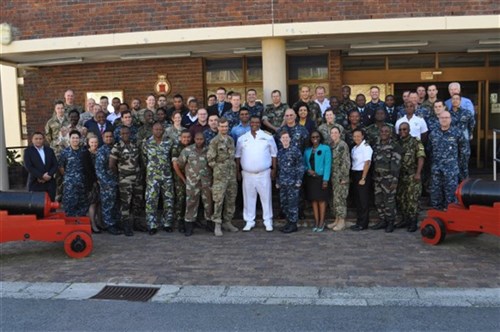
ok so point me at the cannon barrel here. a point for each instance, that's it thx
(478, 192)
(20, 202)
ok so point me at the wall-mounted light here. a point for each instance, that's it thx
(5, 34)
(389, 44)
(146, 56)
(51, 62)
(483, 50)
(393, 52)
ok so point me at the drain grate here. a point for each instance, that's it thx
(126, 293)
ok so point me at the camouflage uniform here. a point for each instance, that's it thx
(386, 166)
(74, 199)
(130, 189)
(372, 133)
(233, 118)
(372, 107)
(139, 115)
(275, 115)
(133, 133)
(108, 183)
(464, 120)
(255, 110)
(290, 173)
(209, 135)
(348, 135)
(347, 105)
(172, 133)
(325, 129)
(63, 140)
(159, 180)
(220, 158)
(341, 164)
(179, 186)
(448, 149)
(69, 108)
(409, 190)
(433, 123)
(52, 131)
(314, 111)
(341, 118)
(143, 133)
(198, 179)
(298, 136)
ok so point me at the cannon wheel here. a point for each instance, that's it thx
(433, 231)
(78, 244)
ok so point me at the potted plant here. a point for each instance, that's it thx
(18, 176)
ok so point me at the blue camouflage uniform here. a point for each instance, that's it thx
(372, 107)
(233, 118)
(133, 133)
(255, 110)
(209, 135)
(108, 183)
(290, 173)
(298, 136)
(239, 130)
(74, 194)
(464, 121)
(448, 149)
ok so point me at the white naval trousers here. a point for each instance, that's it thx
(253, 184)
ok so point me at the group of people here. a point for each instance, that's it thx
(149, 168)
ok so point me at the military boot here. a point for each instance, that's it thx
(228, 226)
(390, 226)
(333, 224)
(340, 225)
(218, 229)
(181, 226)
(381, 224)
(188, 228)
(127, 227)
(412, 227)
(403, 223)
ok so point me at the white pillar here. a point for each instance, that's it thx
(274, 68)
(4, 175)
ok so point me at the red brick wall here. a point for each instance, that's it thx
(55, 18)
(335, 71)
(136, 78)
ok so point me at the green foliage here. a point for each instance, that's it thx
(13, 157)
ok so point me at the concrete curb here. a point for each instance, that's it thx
(283, 295)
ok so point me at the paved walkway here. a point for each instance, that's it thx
(347, 259)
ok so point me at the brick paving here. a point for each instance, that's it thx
(364, 259)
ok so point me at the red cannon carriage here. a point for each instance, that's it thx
(27, 216)
(478, 211)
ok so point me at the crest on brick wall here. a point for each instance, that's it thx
(163, 86)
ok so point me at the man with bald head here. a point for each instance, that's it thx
(455, 89)
(298, 134)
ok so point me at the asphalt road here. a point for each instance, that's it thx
(98, 315)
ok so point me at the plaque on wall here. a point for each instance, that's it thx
(163, 86)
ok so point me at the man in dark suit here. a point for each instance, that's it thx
(41, 163)
(99, 125)
(221, 106)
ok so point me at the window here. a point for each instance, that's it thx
(360, 63)
(461, 60)
(417, 61)
(234, 74)
(96, 95)
(310, 71)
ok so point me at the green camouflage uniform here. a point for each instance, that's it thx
(341, 164)
(275, 115)
(325, 129)
(173, 134)
(129, 185)
(409, 190)
(53, 137)
(198, 180)
(69, 108)
(220, 158)
(372, 133)
(386, 165)
(139, 115)
(144, 132)
(179, 186)
(156, 157)
(346, 106)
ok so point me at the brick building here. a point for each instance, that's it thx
(123, 46)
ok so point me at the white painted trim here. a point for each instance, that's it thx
(413, 24)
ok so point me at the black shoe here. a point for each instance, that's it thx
(153, 231)
(181, 225)
(128, 232)
(210, 226)
(98, 231)
(379, 225)
(402, 224)
(302, 215)
(282, 215)
(113, 230)
(290, 228)
(357, 228)
(413, 227)
(189, 229)
(281, 229)
(168, 229)
(390, 227)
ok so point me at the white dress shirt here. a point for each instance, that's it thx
(417, 125)
(113, 116)
(41, 152)
(360, 154)
(323, 105)
(256, 153)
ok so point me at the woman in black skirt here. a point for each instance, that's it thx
(318, 162)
